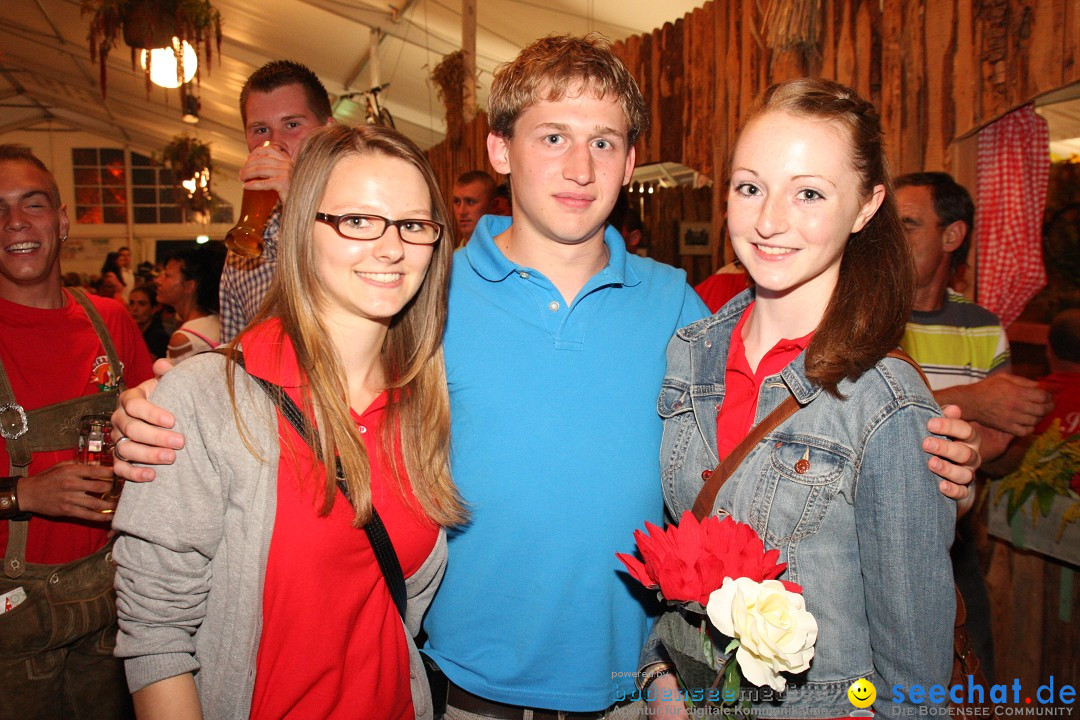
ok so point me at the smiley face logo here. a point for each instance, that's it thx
(862, 693)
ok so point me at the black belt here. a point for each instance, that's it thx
(464, 700)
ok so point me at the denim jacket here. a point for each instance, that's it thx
(863, 529)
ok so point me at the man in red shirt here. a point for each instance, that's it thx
(62, 356)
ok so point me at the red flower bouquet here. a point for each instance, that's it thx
(688, 561)
(725, 584)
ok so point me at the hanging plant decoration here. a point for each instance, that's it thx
(149, 24)
(449, 79)
(189, 159)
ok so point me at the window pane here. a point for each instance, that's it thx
(146, 215)
(87, 196)
(112, 174)
(87, 176)
(169, 214)
(115, 214)
(84, 156)
(143, 176)
(88, 215)
(113, 196)
(101, 196)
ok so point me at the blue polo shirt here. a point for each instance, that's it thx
(555, 446)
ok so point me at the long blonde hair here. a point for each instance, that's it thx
(412, 357)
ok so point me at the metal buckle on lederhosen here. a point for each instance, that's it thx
(13, 423)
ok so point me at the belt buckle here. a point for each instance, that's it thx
(9, 429)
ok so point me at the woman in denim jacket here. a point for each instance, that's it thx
(841, 487)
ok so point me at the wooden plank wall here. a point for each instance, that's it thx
(936, 69)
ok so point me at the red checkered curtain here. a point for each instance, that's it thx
(1013, 171)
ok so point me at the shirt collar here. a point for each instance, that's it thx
(491, 264)
(269, 354)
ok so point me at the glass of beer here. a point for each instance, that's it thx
(95, 448)
(246, 238)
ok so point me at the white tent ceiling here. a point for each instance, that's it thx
(47, 81)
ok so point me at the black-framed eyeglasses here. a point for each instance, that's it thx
(372, 227)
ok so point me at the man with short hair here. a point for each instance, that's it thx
(961, 346)
(474, 192)
(964, 352)
(280, 104)
(63, 356)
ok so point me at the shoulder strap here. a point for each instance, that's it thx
(375, 529)
(703, 505)
(102, 332)
(901, 355)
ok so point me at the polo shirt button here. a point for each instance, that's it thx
(523, 275)
(553, 306)
(363, 429)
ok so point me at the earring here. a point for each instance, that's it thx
(64, 239)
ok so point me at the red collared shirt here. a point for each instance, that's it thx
(332, 643)
(735, 416)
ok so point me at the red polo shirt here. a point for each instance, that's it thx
(735, 416)
(332, 643)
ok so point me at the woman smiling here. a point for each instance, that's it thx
(247, 586)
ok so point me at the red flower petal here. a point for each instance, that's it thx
(690, 560)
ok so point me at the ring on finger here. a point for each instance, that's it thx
(116, 448)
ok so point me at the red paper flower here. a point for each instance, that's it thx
(690, 560)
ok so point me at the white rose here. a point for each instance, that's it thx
(775, 632)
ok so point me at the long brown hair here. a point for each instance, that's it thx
(412, 356)
(875, 291)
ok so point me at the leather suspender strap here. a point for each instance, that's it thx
(703, 505)
(375, 529)
(103, 334)
(13, 426)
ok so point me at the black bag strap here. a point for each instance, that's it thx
(375, 529)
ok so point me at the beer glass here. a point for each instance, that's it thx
(246, 238)
(95, 448)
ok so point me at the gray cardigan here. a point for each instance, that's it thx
(210, 515)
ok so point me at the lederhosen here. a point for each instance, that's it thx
(88, 580)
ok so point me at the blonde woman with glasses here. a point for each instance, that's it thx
(248, 585)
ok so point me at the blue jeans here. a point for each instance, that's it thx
(56, 647)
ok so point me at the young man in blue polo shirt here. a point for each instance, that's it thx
(555, 355)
